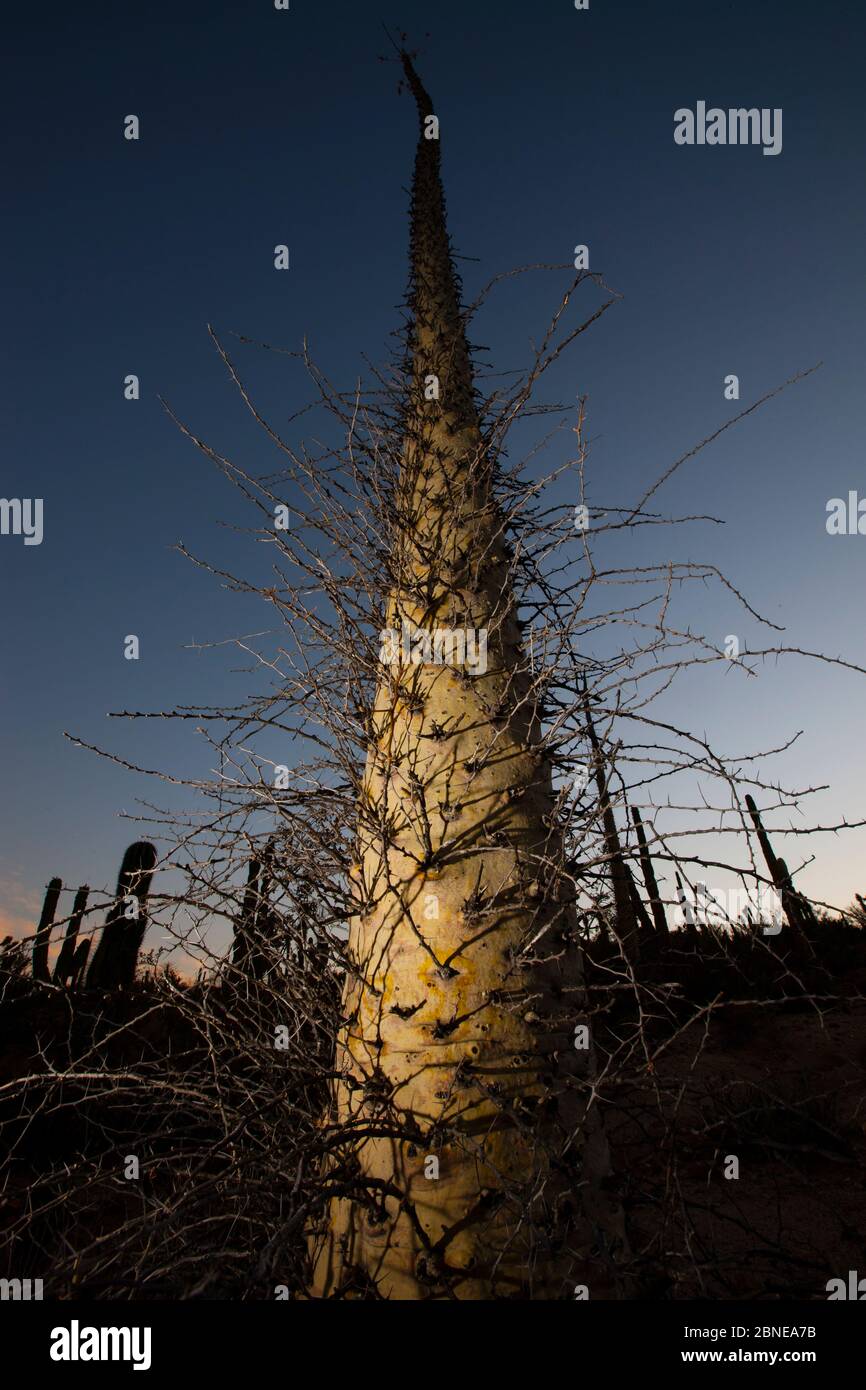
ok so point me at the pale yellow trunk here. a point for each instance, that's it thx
(459, 1037)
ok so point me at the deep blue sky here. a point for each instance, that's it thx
(260, 127)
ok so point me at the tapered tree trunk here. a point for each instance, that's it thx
(458, 1058)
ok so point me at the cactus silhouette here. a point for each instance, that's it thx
(245, 925)
(652, 888)
(797, 909)
(64, 970)
(114, 960)
(630, 911)
(43, 932)
(252, 951)
(255, 942)
(264, 949)
(79, 964)
(688, 914)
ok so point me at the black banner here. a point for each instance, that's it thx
(222, 1342)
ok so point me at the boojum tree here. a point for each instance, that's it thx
(465, 1056)
(462, 1133)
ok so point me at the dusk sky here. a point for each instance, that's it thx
(261, 127)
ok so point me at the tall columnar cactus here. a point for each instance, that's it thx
(256, 926)
(797, 909)
(458, 1060)
(627, 905)
(114, 960)
(685, 905)
(656, 905)
(245, 925)
(65, 969)
(642, 917)
(266, 919)
(79, 964)
(43, 932)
